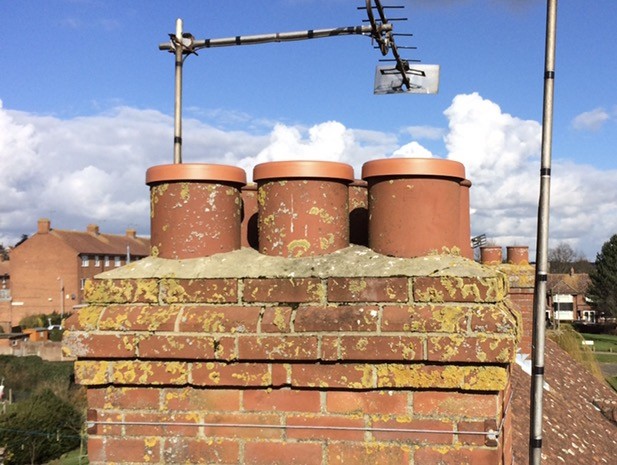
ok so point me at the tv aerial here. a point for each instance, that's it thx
(401, 76)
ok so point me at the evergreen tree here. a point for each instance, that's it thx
(603, 289)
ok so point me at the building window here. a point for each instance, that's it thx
(97, 260)
(85, 260)
(106, 260)
(82, 283)
(117, 261)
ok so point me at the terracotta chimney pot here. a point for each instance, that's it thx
(465, 222)
(303, 207)
(249, 216)
(491, 255)
(414, 205)
(43, 226)
(195, 209)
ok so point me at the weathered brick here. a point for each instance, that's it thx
(443, 456)
(282, 400)
(368, 290)
(454, 404)
(92, 373)
(425, 318)
(84, 319)
(356, 376)
(276, 320)
(200, 451)
(283, 453)
(231, 425)
(178, 347)
(96, 398)
(329, 348)
(195, 399)
(311, 426)
(129, 398)
(368, 453)
(291, 290)
(199, 291)
(461, 348)
(360, 402)
(219, 319)
(139, 450)
(458, 289)
(96, 449)
(468, 433)
(102, 417)
(336, 319)
(161, 424)
(149, 373)
(419, 431)
(386, 348)
(500, 318)
(139, 318)
(233, 374)
(89, 345)
(277, 348)
(121, 291)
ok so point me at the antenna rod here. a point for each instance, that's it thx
(178, 97)
(539, 297)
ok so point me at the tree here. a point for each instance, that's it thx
(40, 429)
(603, 288)
(563, 258)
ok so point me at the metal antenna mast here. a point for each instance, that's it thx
(182, 44)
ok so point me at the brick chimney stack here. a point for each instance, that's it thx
(93, 229)
(44, 226)
(131, 233)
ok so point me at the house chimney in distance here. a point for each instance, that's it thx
(44, 226)
(93, 229)
(131, 233)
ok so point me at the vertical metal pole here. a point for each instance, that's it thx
(539, 317)
(178, 95)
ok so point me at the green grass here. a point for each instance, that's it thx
(606, 358)
(602, 342)
(72, 458)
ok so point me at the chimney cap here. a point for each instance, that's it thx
(43, 226)
(302, 169)
(413, 167)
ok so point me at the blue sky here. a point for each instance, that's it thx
(87, 103)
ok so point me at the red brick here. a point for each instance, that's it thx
(150, 373)
(84, 319)
(329, 348)
(231, 426)
(460, 348)
(206, 451)
(219, 319)
(96, 450)
(178, 347)
(334, 428)
(277, 347)
(493, 319)
(368, 290)
(369, 453)
(162, 424)
(89, 345)
(233, 374)
(471, 427)
(281, 374)
(291, 290)
(424, 318)
(276, 320)
(441, 456)
(454, 404)
(195, 399)
(385, 348)
(139, 318)
(134, 398)
(376, 402)
(96, 397)
(199, 291)
(424, 431)
(281, 453)
(122, 291)
(336, 319)
(139, 450)
(332, 376)
(102, 417)
(457, 289)
(282, 400)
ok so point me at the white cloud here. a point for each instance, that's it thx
(425, 132)
(92, 169)
(591, 120)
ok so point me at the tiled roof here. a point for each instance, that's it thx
(575, 284)
(574, 430)
(103, 244)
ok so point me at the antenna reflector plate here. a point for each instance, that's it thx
(424, 79)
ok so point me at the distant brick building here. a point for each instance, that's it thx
(5, 290)
(48, 270)
(567, 297)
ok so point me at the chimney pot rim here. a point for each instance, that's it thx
(413, 167)
(302, 169)
(195, 172)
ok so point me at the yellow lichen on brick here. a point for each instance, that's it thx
(326, 242)
(89, 317)
(298, 247)
(185, 191)
(279, 320)
(91, 373)
(174, 292)
(316, 292)
(454, 284)
(485, 378)
(154, 318)
(431, 294)
(322, 213)
(155, 193)
(356, 286)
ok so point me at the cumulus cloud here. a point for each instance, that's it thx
(92, 169)
(591, 120)
(425, 132)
